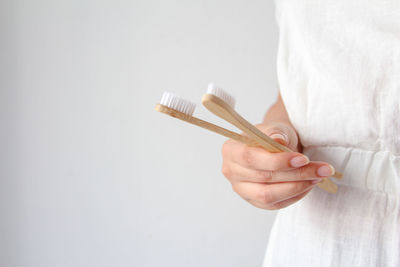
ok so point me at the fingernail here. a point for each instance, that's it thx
(326, 170)
(279, 136)
(316, 181)
(299, 161)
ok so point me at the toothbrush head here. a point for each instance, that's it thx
(182, 105)
(218, 92)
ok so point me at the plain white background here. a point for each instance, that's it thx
(91, 175)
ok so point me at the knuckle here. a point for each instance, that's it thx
(280, 205)
(225, 148)
(235, 188)
(226, 171)
(247, 156)
(301, 172)
(274, 164)
(265, 175)
(299, 186)
(264, 196)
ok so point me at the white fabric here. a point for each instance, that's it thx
(339, 75)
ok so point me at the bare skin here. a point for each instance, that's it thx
(272, 180)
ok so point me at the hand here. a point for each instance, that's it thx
(272, 180)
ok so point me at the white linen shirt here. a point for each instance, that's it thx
(338, 69)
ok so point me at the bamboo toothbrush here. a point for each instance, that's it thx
(182, 109)
(222, 104)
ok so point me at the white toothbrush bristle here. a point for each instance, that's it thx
(182, 105)
(217, 91)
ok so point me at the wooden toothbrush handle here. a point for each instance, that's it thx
(206, 125)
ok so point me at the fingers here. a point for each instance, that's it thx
(271, 180)
(312, 171)
(266, 195)
(282, 204)
(258, 158)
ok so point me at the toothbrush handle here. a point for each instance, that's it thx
(206, 125)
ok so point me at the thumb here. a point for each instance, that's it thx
(282, 133)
